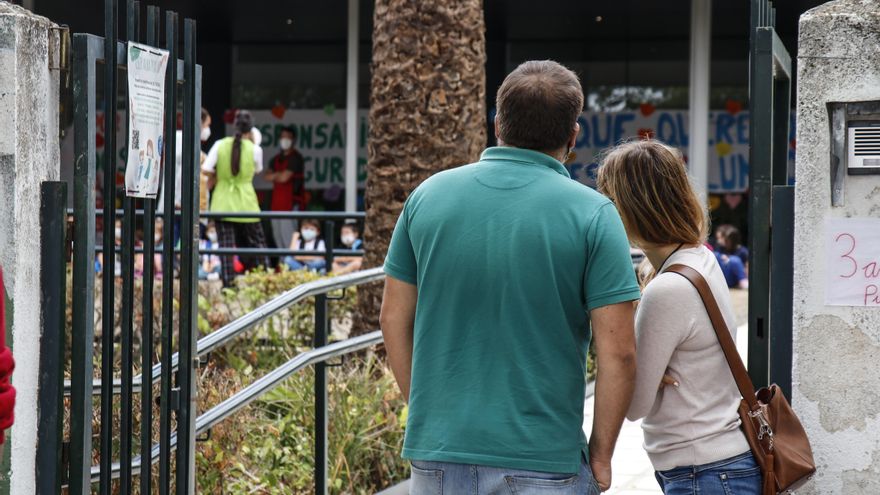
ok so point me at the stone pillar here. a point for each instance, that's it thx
(836, 376)
(29, 154)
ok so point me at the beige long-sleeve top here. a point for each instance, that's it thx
(696, 422)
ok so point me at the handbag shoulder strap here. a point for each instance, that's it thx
(737, 368)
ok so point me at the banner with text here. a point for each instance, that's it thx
(728, 142)
(321, 140)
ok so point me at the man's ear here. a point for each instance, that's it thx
(572, 141)
(497, 128)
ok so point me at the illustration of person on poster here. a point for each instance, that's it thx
(146, 111)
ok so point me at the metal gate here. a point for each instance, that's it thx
(177, 392)
(771, 203)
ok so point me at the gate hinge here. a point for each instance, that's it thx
(63, 49)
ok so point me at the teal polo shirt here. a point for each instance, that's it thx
(509, 255)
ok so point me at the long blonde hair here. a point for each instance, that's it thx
(648, 182)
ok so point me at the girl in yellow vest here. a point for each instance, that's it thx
(234, 161)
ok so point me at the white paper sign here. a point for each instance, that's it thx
(852, 261)
(146, 112)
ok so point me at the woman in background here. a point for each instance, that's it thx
(234, 161)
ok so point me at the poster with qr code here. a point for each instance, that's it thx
(146, 115)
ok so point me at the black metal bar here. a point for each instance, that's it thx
(152, 38)
(782, 289)
(167, 259)
(321, 320)
(53, 304)
(760, 180)
(108, 278)
(329, 242)
(127, 329)
(186, 423)
(128, 242)
(82, 339)
(146, 478)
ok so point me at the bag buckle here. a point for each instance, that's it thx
(765, 429)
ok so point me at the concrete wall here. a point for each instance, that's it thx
(836, 389)
(28, 156)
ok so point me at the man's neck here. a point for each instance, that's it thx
(559, 155)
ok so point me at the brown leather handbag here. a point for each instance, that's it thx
(775, 435)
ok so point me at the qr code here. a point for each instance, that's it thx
(135, 139)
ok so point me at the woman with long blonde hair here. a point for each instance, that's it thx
(684, 388)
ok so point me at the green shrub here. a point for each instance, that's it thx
(268, 447)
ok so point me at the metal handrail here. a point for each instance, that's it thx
(255, 251)
(256, 389)
(235, 328)
(316, 215)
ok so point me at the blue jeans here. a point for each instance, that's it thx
(738, 475)
(446, 478)
(295, 264)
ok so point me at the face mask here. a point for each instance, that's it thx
(118, 233)
(285, 143)
(348, 239)
(309, 234)
(212, 236)
(206, 133)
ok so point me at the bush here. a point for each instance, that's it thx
(268, 448)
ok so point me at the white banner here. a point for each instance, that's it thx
(728, 141)
(321, 140)
(146, 105)
(852, 262)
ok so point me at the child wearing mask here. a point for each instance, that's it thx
(350, 237)
(286, 172)
(209, 268)
(307, 239)
(117, 268)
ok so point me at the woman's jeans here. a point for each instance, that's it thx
(446, 478)
(738, 475)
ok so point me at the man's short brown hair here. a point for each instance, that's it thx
(538, 105)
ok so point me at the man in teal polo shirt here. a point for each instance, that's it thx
(495, 272)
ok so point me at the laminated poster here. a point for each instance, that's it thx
(146, 111)
(852, 262)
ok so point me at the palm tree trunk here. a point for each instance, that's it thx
(427, 112)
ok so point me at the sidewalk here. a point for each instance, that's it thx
(632, 473)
